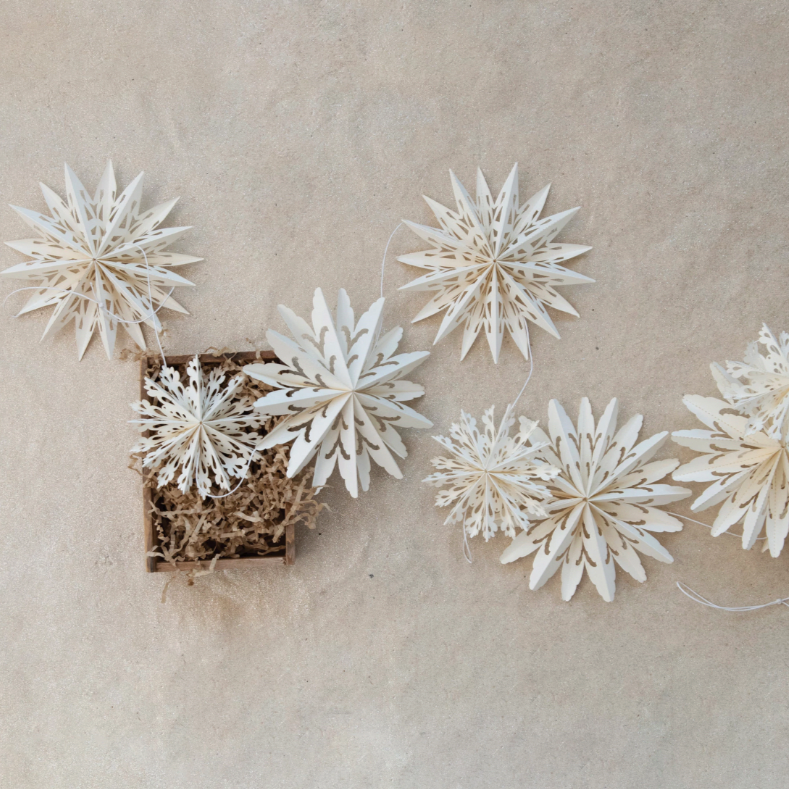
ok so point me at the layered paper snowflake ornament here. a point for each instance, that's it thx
(494, 264)
(89, 261)
(342, 390)
(201, 426)
(759, 386)
(606, 502)
(493, 479)
(748, 472)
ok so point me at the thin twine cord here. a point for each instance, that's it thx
(383, 262)
(466, 547)
(101, 306)
(697, 598)
(531, 368)
(706, 525)
(383, 267)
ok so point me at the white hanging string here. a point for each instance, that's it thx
(531, 368)
(101, 306)
(706, 525)
(383, 262)
(383, 267)
(466, 547)
(697, 598)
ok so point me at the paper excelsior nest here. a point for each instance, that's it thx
(251, 521)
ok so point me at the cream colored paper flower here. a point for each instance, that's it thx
(759, 386)
(748, 472)
(605, 502)
(93, 247)
(494, 263)
(343, 391)
(199, 426)
(492, 478)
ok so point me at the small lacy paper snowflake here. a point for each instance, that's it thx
(493, 263)
(604, 505)
(90, 265)
(759, 386)
(492, 478)
(748, 472)
(342, 390)
(200, 427)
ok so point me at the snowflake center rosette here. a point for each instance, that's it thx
(100, 261)
(342, 391)
(202, 426)
(492, 478)
(605, 502)
(494, 263)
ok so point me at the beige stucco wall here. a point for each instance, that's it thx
(297, 136)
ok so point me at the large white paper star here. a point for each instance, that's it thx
(342, 390)
(494, 264)
(604, 505)
(93, 247)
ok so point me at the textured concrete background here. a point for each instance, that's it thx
(297, 135)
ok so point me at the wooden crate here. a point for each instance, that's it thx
(154, 564)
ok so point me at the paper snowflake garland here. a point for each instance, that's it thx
(89, 261)
(494, 264)
(343, 391)
(759, 386)
(748, 472)
(605, 502)
(492, 478)
(199, 426)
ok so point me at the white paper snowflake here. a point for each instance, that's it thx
(759, 386)
(605, 502)
(93, 248)
(749, 473)
(200, 426)
(342, 390)
(494, 263)
(492, 478)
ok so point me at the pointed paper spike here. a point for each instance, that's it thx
(506, 212)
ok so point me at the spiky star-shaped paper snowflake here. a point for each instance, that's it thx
(200, 426)
(759, 386)
(605, 502)
(494, 263)
(493, 479)
(342, 390)
(749, 473)
(93, 248)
